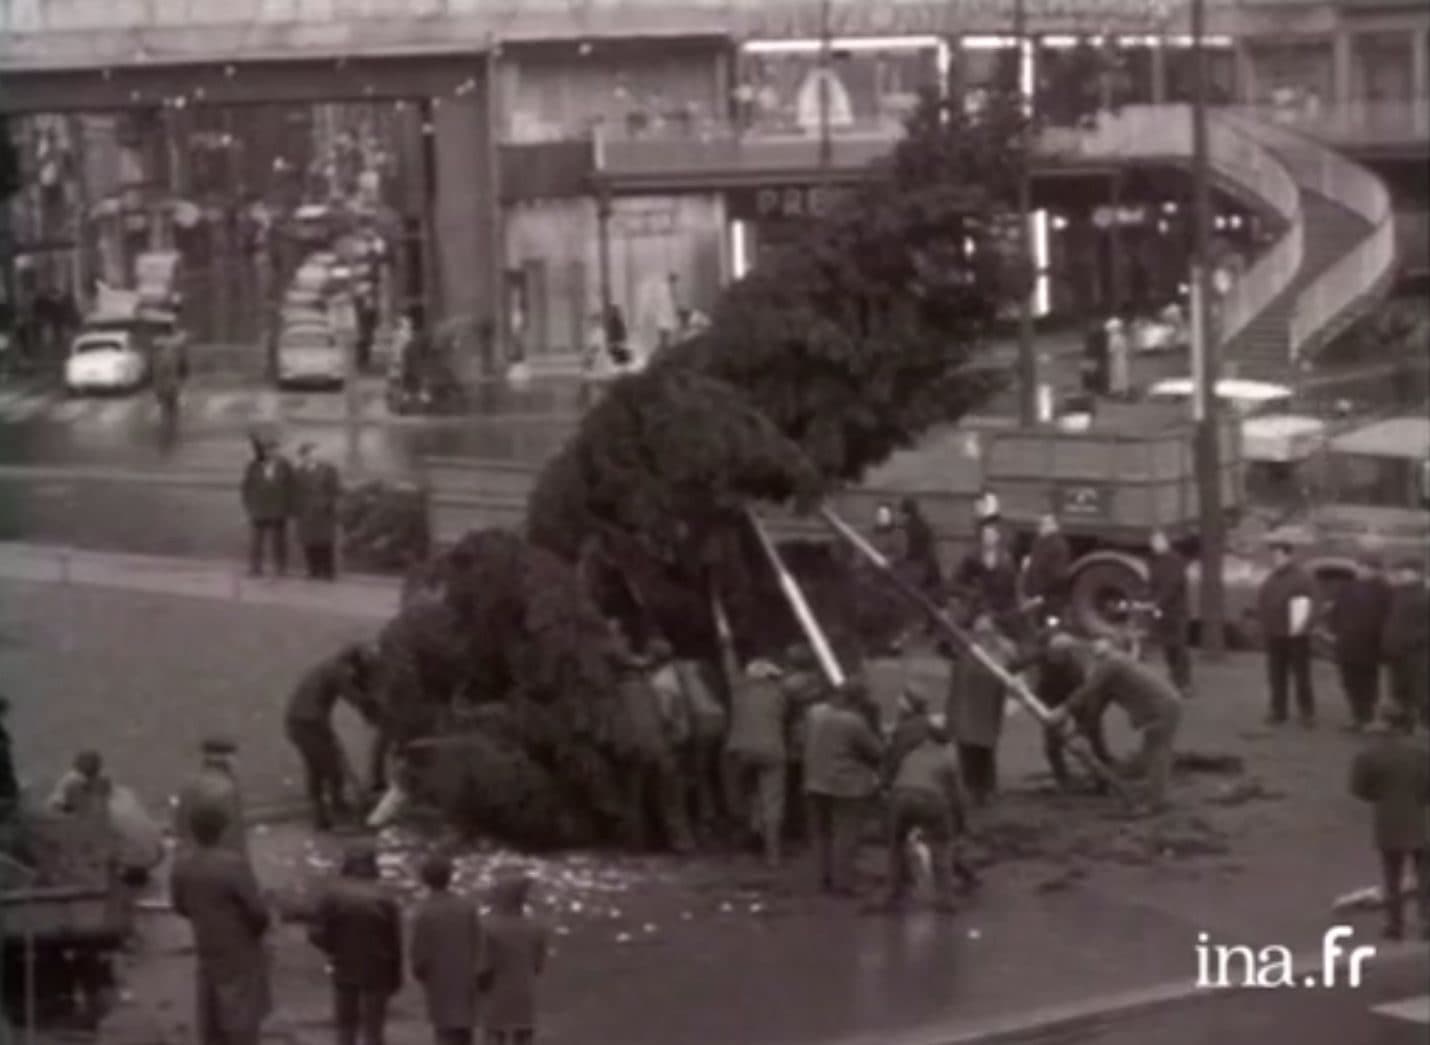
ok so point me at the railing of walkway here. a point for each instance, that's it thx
(1165, 131)
(1329, 298)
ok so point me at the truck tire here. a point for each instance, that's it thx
(1096, 588)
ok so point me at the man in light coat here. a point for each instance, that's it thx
(842, 759)
(214, 889)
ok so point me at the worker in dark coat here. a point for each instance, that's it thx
(1405, 642)
(267, 492)
(987, 581)
(842, 760)
(1393, 776)
(652, 772)
(327, 773)
(447, 954)
(215, 890)
(1057, 661)
(1356, 621)
(214, 785)
(973, 713)
(358, 926)
(925, 795)
(317, 490)
(1153, 708)
(1285, 607)
(1047, 572)
(1171, 622)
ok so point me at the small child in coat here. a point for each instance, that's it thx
(513, 956)
(1393, 775)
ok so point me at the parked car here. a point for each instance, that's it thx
(310, 356)
(105, 361)
(1241, 397)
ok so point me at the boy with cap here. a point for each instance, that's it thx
(214, 785)
(359, 927)
(1393, 776)
(447, 954)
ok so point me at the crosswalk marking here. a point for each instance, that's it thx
(1408, 1010)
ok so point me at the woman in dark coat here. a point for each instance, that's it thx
(974, 711)
(921, 550)
(317, 489)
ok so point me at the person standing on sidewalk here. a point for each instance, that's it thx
(1406, 641)
(756, 755)
(327, 773)
(1167, 581)
(268, 501)
(842, 758)
(214, 786)
(359, 927)
(447, 954)
(317, 489)
(651, 772)
(215, 890)
(1151, 704)
(1356, 621)
(514, 952)
(1393, 776)
(1285, 606)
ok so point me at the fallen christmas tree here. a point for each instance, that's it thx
(845, 348)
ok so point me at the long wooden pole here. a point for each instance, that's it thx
(1014, 684)
(800, 606)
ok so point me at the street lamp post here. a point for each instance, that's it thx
(1027, 357)
(826, 142)
(1206, 356)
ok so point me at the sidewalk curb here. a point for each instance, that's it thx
(1060, 1022)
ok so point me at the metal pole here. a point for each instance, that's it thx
(1208, 428)
(826, 143)
(1027, 356)
(808, 623)
(940, 620)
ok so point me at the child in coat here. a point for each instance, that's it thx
(1393, 775)
(514, 955)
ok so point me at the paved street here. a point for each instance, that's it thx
(1390, 1008)
(1078, 905)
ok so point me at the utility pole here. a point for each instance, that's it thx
(1027, 353)
(826, 144)
(1206, 356)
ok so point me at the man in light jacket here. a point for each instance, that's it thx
(1285, 605)
(756, 755)
(842, 758)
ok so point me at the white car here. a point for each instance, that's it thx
(310, 356)
(105, 361)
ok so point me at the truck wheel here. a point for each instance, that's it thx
(1100, 593)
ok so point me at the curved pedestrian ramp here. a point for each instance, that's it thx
(1334, 246)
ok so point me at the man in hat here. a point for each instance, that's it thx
(1405, 641)
(267, 491)
(842, 759)
(317, 489)
(358, 926)
(1356, 621)
(1285, 606)
(757, 754)
(348, 676)
(1393, 777)
(1152, 705)
(214, 786)
(214, 888)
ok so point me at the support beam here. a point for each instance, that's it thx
(818, 641)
